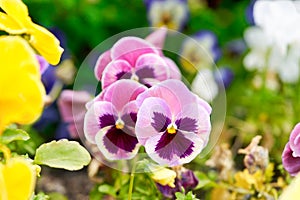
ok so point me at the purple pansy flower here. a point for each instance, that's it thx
(223, 76)
(170, 13)
(172, 123)
(137, 59)
(291, 152)
(110, 121)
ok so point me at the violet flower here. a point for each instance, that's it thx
(172, 123)
(137, 59)
(291, 152)
(110, 122)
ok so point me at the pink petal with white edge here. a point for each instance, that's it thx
(144, 128)
(173, 68)
(295, 140)
(154, 62)
(103, 60)
(130, 48)
(120, 154)
(157, 38)
(173, 91)
(114, 71)
(92, 118)
(122, 92)
(176, 160)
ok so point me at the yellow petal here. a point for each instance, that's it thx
(21, 90)
(9, 25)
(292, 192)
(18, 177)
(164, 176)
(17, 10)
(45, 43)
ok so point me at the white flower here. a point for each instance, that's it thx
(204, 85)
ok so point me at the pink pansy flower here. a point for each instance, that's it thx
(71, 105)
(291, 152)
(172, 123)
(137, 59)
(110, 121)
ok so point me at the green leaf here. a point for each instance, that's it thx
(40, 196)
(188, 196)
(57, 196)
(69, 155)
(107, 189)
(10, 135)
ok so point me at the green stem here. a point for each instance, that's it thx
(131, 180)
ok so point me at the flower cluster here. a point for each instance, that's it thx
(275, 42)
(143, 102)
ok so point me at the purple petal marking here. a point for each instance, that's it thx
(187, 124)
(123, 75)
(170, 144)
(129, 119)
(107, 120)
(145, 72)
(116, 139)
(160, 122)
(290, 163)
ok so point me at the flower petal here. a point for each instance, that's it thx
(23, 98)
(9, 25)
(122, 92)
(173, 68)
(129, 114)
(154, 63)
(151, 118)
(290, 163)
(100, 115)
(45, 43)
(116, 70)
(295, 141)
(103, 60)
(174, 149)
(17, 10)
(157, 38)
(174, 92)
(116, 144)
(130, 48)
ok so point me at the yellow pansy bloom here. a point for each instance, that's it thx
(163, 176)
(16, 20)
(21, 89)
(17, 179)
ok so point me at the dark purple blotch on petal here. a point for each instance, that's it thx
(123, 75)
(116, 139)
(188, 179)
(160, 122)
(187, 124)
(145, 72)
(107, 120)
(129, 119)
(174, 144)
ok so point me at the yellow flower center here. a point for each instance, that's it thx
(135, 78)
(172, 128)
(119, 124)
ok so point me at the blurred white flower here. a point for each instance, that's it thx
(275, 40)
(204, 85)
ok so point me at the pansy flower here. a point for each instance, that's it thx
(21, 100)
(71, 105)
(291, 152)
(200, 51)
(172, 123)
(137, 59)
(110, 123)
(16, 21)
(170, 13)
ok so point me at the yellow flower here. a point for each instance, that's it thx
(17, 179)
(292, 192)
(16, 20)
(163, 176)
(21, 89)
